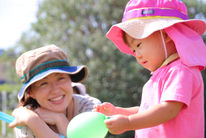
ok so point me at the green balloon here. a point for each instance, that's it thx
(87, 125)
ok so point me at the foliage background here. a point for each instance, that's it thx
(79, 27)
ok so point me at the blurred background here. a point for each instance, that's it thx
(78, 27)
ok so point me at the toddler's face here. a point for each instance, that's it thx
(149, 51)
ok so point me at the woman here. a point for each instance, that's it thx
(47, 103)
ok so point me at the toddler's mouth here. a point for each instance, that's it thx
(144, 62)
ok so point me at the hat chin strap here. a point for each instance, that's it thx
(164, 44)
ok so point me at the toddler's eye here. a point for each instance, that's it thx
(138, 45)
(133, 51)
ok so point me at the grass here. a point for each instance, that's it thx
(9, 87)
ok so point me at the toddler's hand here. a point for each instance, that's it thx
(106, 108)
(117, 124)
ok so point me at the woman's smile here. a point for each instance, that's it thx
(58, 99)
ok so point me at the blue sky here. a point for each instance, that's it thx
(16, 17)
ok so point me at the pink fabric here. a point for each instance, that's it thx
(175, 82)
(168, 8)
(189, 45)
(154, 12)
(150, 8)
(167, 4)
(117, 39)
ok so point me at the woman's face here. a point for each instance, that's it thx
(53, 92)
(149, 51)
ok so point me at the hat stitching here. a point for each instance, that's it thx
(153, 17)
(154, 8)
(43, 65)
(159, 12)
(56, 67)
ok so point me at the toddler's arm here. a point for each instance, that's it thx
(109, 109)
(154, 116)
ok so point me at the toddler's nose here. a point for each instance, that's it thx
(137, 54)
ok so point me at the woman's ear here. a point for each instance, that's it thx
(30, 93)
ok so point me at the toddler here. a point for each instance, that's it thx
(163, 40)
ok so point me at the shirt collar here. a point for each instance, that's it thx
(170, 59)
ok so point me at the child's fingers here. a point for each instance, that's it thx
(108, 121)
(107, 106)
(99, 108)
(95, 108)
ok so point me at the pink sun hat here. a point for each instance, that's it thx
(143, 17)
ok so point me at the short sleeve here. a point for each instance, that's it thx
(179, 85)
(84, 103)
(88, 103)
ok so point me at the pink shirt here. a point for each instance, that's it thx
(175, 82)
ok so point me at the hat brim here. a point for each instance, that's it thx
(142, 28)
(77, 74)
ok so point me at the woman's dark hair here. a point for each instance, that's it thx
(75, 89)
(29, 101)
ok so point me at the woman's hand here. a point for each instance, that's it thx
(23, 116)
(49, 117)
(53, 118)
(105, 108)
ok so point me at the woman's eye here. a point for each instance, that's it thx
(138, 45)
(61, 78)
(43, 84)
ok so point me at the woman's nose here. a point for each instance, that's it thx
(54, 88)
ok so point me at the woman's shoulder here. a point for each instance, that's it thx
(85, 98)
(84, 103)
